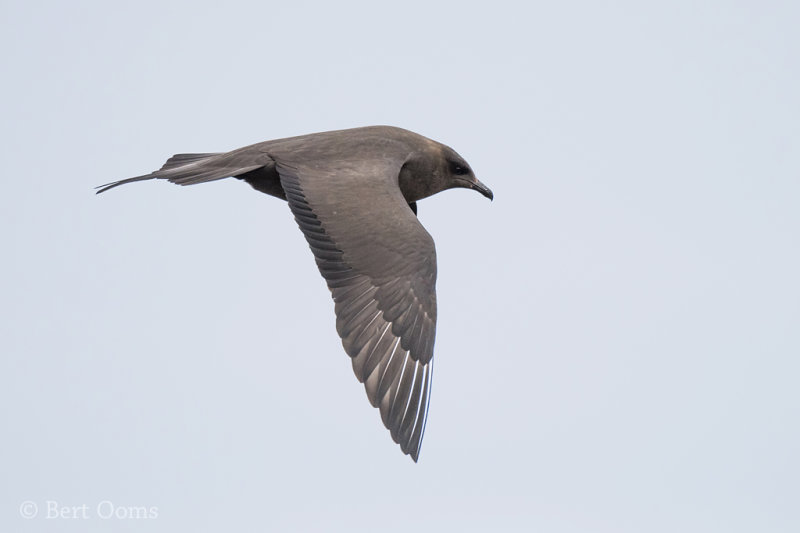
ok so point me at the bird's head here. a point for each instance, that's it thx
(459, 174)
(436, 169)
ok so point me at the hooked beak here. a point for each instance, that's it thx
(476, 185)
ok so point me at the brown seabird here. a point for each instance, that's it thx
(354, 195)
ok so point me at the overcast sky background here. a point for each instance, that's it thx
(619, 331)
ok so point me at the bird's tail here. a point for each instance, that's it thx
(188, 169)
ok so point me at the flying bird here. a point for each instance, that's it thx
(354, 195)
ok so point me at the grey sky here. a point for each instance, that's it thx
(618, 337)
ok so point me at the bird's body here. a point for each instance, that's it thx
(353, 193)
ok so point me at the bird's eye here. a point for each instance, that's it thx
(459, 170)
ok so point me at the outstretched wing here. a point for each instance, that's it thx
(380, 265)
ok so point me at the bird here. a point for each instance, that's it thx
(354, 195)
